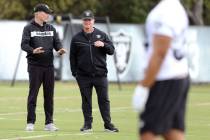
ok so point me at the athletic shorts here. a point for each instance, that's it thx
(165, 108)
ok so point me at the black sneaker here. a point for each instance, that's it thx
(86, 128)
(110, 128)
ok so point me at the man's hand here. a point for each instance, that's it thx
(38, 50)
(61, 51)
(99, 43)
(140, 97)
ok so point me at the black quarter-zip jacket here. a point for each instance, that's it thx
(85, 58)
(35, 36)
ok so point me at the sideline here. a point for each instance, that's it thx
(42, 136)
(116, 109)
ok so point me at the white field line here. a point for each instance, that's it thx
(11, 119)
(13, 113)
(17, 98)
(116, 109)
(203, 104)
(42, 136)
(25, 98)
(75, 97)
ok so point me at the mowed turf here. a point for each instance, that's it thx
(68, 115)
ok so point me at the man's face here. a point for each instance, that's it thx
(88, 23)
(43, 16)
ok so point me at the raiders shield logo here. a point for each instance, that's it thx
(98, 36)
(122, 43)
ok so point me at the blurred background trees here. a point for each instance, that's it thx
(120, 11)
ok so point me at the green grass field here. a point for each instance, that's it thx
(68, 116)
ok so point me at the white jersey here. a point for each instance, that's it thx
(170, 19)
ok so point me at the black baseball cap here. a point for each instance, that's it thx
(42, 7)
(88, 14)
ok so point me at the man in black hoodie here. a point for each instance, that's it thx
(38, 40)
(88, 64)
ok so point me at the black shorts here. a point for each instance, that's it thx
(165, 108)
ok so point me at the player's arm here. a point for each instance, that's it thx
(161, 44)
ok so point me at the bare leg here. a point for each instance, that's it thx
(174, 134)
(148, 136)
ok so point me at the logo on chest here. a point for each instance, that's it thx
(42, 34)
(98, 36)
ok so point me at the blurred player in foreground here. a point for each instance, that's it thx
(161, 96)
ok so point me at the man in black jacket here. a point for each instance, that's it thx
(38, 40)
(88, 64)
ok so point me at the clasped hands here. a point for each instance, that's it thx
(99, 43)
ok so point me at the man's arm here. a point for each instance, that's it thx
(106, 44)
(72, 58)
(161, 44)
(56, 40)
(25, 42)
(57, 43)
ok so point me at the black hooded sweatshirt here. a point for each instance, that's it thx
(35, 36)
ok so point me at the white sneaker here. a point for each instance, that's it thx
(30, 127)
(50, 127)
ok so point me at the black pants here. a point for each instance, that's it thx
(86, 85)
(37, 76)
(166, 106)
